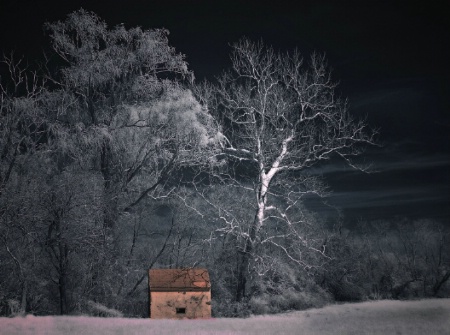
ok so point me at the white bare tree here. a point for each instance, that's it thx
(280, 116)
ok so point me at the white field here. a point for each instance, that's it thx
(380, 317)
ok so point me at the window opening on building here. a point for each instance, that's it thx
(181, 310)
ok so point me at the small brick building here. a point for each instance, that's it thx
(179, 293)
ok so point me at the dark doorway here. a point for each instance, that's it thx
(181, 310)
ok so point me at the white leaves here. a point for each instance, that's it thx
(98, 56)
(177, 115)
(147, 87)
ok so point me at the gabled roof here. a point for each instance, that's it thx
(191, 279)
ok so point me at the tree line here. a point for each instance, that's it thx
(114, 160)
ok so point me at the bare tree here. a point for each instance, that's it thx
(401, 258)
(21, 116)
(22, 125)
(280, 116)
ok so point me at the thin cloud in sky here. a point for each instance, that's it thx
(386, 159)
(401, 183)
(385, 197)
(413, 162)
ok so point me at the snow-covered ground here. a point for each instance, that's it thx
(379, 317)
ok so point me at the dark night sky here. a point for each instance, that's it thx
(390, 57)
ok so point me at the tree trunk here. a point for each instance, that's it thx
(23, 303)
(245, 255)
(244, 261)
(441, 282)
(243, 265)
(62, 280)
(110, 210)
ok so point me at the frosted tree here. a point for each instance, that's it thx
(123, 108)
(120, 110)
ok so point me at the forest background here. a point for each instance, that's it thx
(115, 160)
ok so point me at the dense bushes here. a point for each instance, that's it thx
(289, 300)
(390, 260)
(402, 259)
